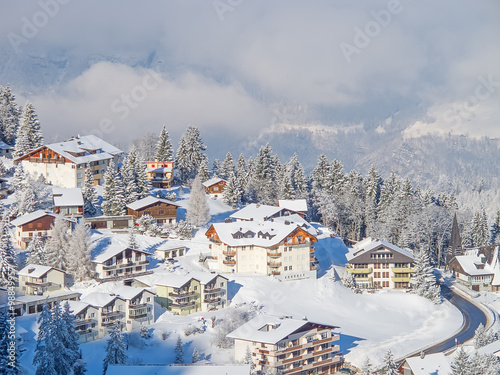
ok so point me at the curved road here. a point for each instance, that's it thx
(473, 316)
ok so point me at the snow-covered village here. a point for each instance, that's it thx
(249, 188)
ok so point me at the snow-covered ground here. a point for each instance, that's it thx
(369, 323)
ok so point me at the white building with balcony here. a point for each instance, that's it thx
(86, 320)
(140, 306)
(35, 279)
(111, 310)
(288, 346)
(119, 261)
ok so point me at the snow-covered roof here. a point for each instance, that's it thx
(205, 277)
(5, 146)
(128, 292)
(492, 348)
(111, 251)
(202, 369)
(92, 147)
(27, 218)
(257, 233)
(268, 329)
(430, 364)
(53, 296)
(67, 197)
(473, 265)
(257, 212)
(144, 202)
(369, 244)
(171, 245)
(213, 181)
(36, 270)
(76, 306)
(99, 299)
(175, 281)
(297, 205)
(299, 221)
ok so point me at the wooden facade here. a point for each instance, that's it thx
(216, 188)
(161, 211)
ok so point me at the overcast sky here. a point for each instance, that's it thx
(122, 68)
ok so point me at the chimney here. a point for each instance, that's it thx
(422, 354)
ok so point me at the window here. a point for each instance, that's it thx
(195, 287)
(286, 268)
(221, 284)
(290, 268)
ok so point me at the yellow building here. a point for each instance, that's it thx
(179, 294)
(40, 280)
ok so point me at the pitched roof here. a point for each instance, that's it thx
(213, 181)
(258, 233)
(5, 146)
(175, 281)
(76, 306)
(128, 292)
(99, 299)
(205, 277)
(257, 212)
(268, 329)
(201, 369)
(144, 202)
(27, 218)
(36, 270)
(368, 244)
(297, 205)
(299, 221)
(430, 364)
(473, 265)
(171, 245)
(111, 251)
(90, 147)
(67, 197)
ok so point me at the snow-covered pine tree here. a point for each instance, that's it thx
(423, 281)
(227, 166)
(142, 179)
(132, 240)
(44, 350)
(349, 281)
(3, 170)
(29, 135)
(241, 172)
(164, 151)
(479, 229)
(495, 230)
(7, 365)
(36, 249)
(179, 351)
(109, 190)
(89, 193)
(27, 200)
(70, 337)
(461, 363)
(63, 341)
(56, 246)
(263, 176)
(216, 168)
(9, 115)
(79, 258)
(118, 201)
(232, 193)
(144, 332)
(115, 350)
(129, 178)
(195, 357)
(286, 189)
(189, 154)
(204, 173)
(367, 367)
(389, 367)
(321, 174)
(198, 212)
(299, 181)
(7, 254)
(19, 179)
(480, 339)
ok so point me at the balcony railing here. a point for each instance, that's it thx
(212, 290)
(274, 264)
(275, 273)
(273, 254)
(81, 322)
(138, 306)
(313, 268)
(212, 299)
(38, 283)
(401, 279)
(228, 252)
(402, 270)
(360, 270)
(110, 314)
(181, 294)
(46, 160)
(182, 304)
(231, 262)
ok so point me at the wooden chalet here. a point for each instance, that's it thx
(215, 187)
(164, 211)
